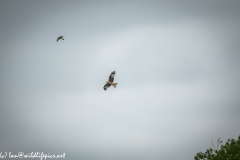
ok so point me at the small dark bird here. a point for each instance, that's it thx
(110, 83)
(60, 37)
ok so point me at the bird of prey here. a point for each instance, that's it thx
(60, 37)
(110, 81)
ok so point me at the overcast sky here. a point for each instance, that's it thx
(177, 68)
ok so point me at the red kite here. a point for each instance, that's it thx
(110, 81)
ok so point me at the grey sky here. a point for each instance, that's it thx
(177, 68)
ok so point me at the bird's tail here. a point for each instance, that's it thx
(114, 85)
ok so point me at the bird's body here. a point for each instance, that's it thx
(60, 37)
(110, 83)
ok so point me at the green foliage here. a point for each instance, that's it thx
(229, 151)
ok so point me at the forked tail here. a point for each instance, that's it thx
(114, 85)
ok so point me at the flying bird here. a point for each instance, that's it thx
(60, 37)
(110, 83)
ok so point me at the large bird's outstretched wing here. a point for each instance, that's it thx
(106, 86)
(111, 77)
